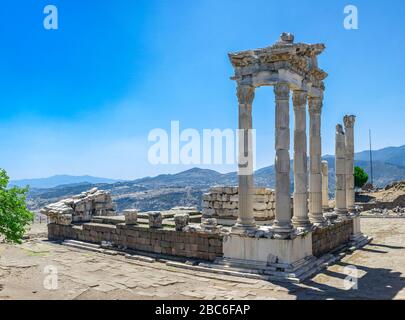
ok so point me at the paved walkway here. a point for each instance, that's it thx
(380, 267)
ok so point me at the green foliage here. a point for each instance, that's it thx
(360, 177)
(14, 215)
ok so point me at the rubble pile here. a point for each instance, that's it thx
(80, 208)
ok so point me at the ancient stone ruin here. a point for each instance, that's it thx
(81, 208)
(270, 236)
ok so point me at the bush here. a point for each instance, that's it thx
(360, 177)
(14, 215)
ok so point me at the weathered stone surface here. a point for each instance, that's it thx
(198, 244)
(155, 219)
(131, 216)
(340, 172)
(181, 220)
(331, 237)
(325, 183)
(315, 177)
(300, 217)
(80, 208)
(223, 202)
(349, 121)
(210, 225)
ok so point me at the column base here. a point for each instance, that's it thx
(302, 224)
(330, 216)
(351, 210)
(240, 228)
(318, 220)
(282, 230)
(342, 214)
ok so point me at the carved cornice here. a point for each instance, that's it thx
(349, 121)
(282, 91)
(245, 94)
(300, 58)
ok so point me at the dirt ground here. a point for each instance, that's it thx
(24, 269)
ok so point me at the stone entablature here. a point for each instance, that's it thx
(81, 208)
(222, 203)
(285, 61)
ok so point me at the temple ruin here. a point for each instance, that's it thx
(247, 231)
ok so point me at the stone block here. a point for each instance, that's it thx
(260, 249)
(131, 216)
(155, 219)
(181, 220)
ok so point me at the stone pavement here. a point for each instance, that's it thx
(87, 275)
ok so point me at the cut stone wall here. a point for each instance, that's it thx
(198, 245)
(222, 203)
(326, 239)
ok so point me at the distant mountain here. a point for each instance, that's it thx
(392, 155)
(58, 180)
(186, 188)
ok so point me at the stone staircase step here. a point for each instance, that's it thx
(82, 243)
(83, 246)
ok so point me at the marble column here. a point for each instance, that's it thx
(245, 220)
(349, 144)
(300, 207)
(282, 225)
(315, 176)
(340, 172)
(325, 183)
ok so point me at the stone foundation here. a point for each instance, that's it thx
(331, 237)
(267, 250)
(197, 245)
(222, 203)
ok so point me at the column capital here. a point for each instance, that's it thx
(282, 91)
(245, 94)
(349, 121)
(300, 98)
(339, 129)
(315, 105)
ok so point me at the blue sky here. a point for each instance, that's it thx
(82, 99)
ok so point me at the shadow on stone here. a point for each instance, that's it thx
(376, 283)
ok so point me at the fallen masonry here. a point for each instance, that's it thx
(245, 231)
(80, 208)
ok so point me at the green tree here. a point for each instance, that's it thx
(360, 177)
(14, 215)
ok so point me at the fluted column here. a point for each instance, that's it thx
(340, 172)
(300, 207)
(325, 183)
(349, 144)
(245, 220)
(282, 224)
(315, 177)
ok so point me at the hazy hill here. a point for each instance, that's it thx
(186, 188)
(58, 180)
(393, 155)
